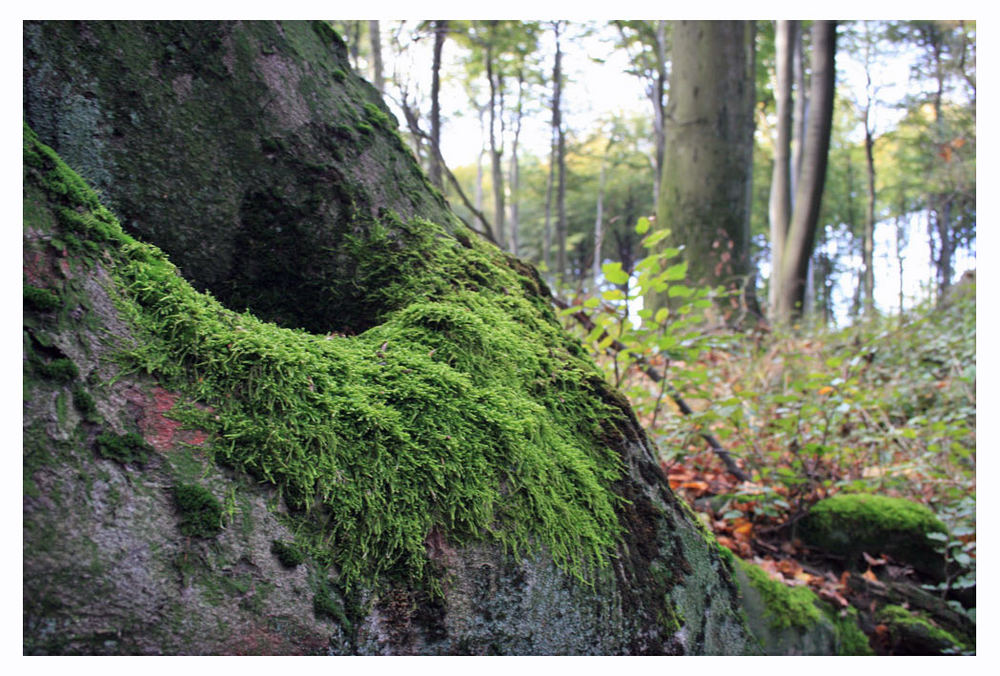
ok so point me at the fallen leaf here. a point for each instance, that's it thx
(869, 575)
(871, 561)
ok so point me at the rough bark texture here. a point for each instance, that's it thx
(273, 176)
(704, 194)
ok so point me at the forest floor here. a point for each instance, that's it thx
(886, 406)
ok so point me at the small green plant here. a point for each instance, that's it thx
(201, 513)
(288, 554)
(129, 448)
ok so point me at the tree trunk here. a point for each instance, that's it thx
(599, 225)
(801, 102)
(798, 245)
(868, 252)
(515, 170)
(549, 185)
(780, 205)
(658, 95)
(495, 148)
(385, 484)
(434, 170)
(557, 127)
(375, 39)
(704, 195)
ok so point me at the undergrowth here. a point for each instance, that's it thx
(885, 406)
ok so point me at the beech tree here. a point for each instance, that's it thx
(793, 244)
(707, 166)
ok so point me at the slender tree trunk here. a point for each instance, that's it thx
(707, 166)
(561, 224)
(868, 249)
(434, 169)
(900, 243)
(780, 204)
(868, 252)
(515, 169)
(549, 184)
(801, 102)
(496, 150)
(941, 203)
(375, 39)
(599, 224)
(658, 97)
(479, 161)
(809, 192)
(354, 44)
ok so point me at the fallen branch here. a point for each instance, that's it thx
(584, 320)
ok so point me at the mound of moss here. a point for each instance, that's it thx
(793, 620)
(466, 409)
(849, 524)
(910, 633)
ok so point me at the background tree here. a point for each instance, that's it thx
(791, 269)
(707, 170)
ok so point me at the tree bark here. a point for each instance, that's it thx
(780, 204)
(707, 167)
(599, 224)
(495, 145)
(801, 100)
(515, 169)
(375, 40)
(560, 138)
(794, 266)
(434, 167)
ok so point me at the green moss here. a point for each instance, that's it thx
(851, 641)
(911, 633)
(201, 513)
(42, 300)
(460, 406)
(852, 523)
(377, 116)
(62, 369)
(85, 404)
(786, 606)
(288, 554)
(129, 448)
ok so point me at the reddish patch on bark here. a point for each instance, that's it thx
(161, 432)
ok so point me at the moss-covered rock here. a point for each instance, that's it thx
(849, 524)
(910, 633)
(259, 171)
(793, 620)
(446, 501)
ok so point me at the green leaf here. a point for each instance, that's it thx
(642, 226)
(661, 315)
(676, 272)
(679, 291)
(591, 303)
(613, 273)
(651, 240)
(613, 294)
